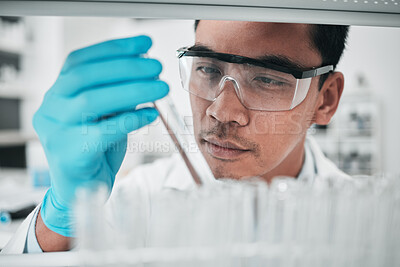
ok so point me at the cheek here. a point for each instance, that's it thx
(277, 133)
(278, 124)
(199, 107)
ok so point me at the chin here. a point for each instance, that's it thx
(225, 172)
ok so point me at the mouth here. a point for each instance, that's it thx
(224, 150)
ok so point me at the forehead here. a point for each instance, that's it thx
(256, 39)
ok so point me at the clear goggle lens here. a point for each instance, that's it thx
(257, 88)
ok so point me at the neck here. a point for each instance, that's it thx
(290, 166)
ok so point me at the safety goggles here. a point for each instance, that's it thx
(259, 85)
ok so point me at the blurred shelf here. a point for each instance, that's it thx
(13, 90)
(353, 140)
(371, 13)
(13, 48)
(15, 137)
(357, 139)
(54, 259)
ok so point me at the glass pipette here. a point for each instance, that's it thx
(177, 129)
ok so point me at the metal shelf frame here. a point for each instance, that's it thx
(347, 12)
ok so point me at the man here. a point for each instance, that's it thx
(255, 90)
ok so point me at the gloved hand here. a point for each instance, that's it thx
(85, 117)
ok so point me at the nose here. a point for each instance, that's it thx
(227, 106)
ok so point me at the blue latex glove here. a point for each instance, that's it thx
(85, 117)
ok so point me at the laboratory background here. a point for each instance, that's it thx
(362, 139)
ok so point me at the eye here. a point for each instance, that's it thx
(208, 70)
(269, 81)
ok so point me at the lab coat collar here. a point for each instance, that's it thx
(308, 170)
(315, 167)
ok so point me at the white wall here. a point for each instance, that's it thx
(375, 52)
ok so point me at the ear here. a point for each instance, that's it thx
(328, 98)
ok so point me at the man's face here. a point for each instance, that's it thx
(260, 143)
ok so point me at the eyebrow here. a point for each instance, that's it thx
(279, 60)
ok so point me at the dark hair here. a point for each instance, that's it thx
(328, 40)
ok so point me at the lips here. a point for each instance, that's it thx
(224, 149)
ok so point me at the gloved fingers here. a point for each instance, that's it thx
(132, 46)
(115, 155)
(100, 73)
(94, 104)
(114, 130)
(120, 98)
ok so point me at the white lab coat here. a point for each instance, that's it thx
(171, 173)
